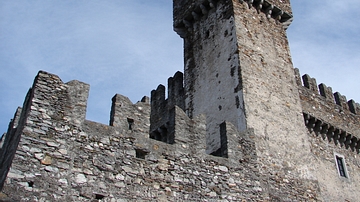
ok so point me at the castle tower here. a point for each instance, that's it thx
(238, 68)
(270, 137)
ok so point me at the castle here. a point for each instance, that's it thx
(240, 124)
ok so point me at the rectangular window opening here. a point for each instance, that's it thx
(341, 166)
(131, 123)
(223, 150)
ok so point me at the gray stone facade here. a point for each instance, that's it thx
(240, 124)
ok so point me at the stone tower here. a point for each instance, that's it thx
(238, 67)
(237, 125)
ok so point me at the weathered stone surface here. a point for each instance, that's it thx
(80, 179)
(51, 169)
(47, 160)
(238, 100)
(223, 168)
(52, 144)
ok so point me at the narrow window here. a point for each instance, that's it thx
(341, 166)
(223, 150)
(131, 123)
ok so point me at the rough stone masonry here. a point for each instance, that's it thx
(240, 124)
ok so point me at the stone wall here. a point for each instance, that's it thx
(333, 186)
(8, 146)
(239, 125)
(271, 102)
(333, 128)
(49, 103)
(62, 160)
(92, 161)
(126, 115)
(162, 117)
(333, 108)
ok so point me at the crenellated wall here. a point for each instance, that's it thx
(329, 114)
(59, 160)
(162, 117)
(125, 114)
(277, 9)
(324, 93)
(333, 128)
(49, 105)
(239, 125)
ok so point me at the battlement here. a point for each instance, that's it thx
(60, 150)
(162, 116)
(231, 128)
(183, 19)
(56, 137)
(271, 9)
(332, 133)
(328, 113)
(125, 114)
(327, 94)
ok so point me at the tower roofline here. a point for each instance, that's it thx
(183, 19)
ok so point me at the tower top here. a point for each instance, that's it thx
(188, 11)
(284, 5)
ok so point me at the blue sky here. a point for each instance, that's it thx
(129, 47)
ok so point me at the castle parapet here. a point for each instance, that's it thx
(77, 101)
(125, 114)
(333, 109)
(52, 101)
(9, 143)
(332, 133)
(48, 105)
(328, 94)
(196, 9)
(162, 116)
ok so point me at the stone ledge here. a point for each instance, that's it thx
(332, 133)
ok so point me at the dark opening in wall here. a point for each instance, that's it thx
(237, 102)
(341, 166)
(31, 184)
(207, 34)
(99, 196)
(223, 150)
(131, 123)
(162, 134)
(141, 154)
(159, 134)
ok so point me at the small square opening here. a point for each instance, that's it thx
(99, 196)
(141, 154)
